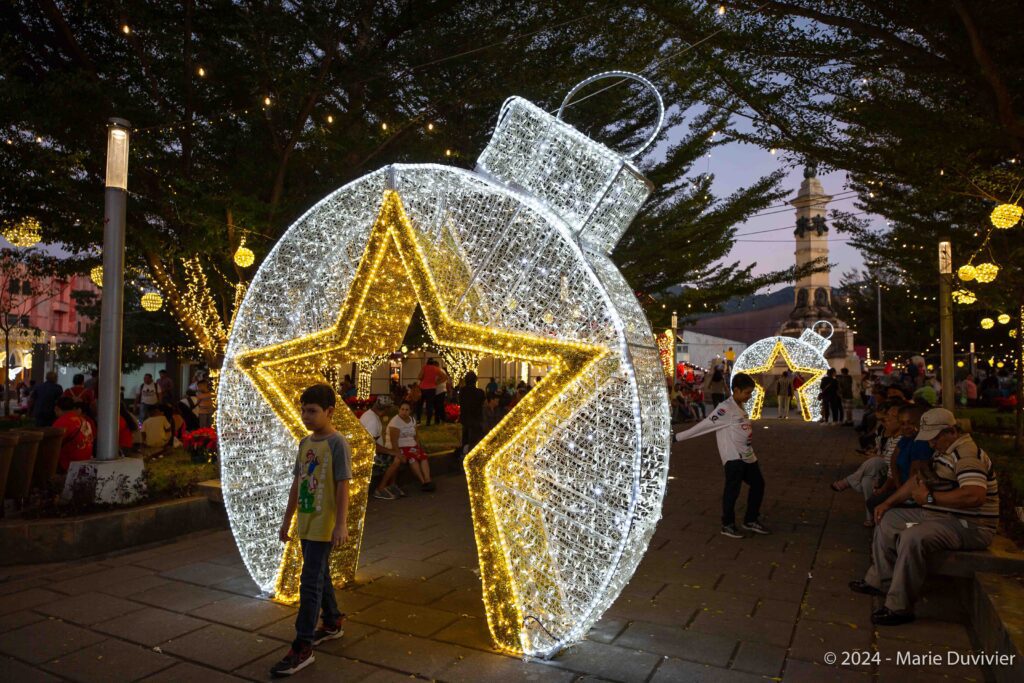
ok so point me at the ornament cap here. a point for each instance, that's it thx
(593, 188)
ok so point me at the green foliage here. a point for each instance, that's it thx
(211, 163)
(175, 475)
(440, 437)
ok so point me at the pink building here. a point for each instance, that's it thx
(59, 315)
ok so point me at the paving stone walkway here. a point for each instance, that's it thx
(701, 607)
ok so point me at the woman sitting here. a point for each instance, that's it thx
(402, 433)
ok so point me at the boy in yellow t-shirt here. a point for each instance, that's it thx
(320, 494)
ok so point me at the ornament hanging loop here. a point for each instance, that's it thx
(626, 75)
(831, 328)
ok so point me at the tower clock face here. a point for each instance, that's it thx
(565, 491)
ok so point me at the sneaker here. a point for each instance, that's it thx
(329, 631)
(756, 527)
(397, 490)
(429, 486)
(297, 658)
(383, 494)
(730, 531)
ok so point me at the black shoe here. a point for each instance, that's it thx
(298, 657)
(329, 631)
(864, 587)
(429, 486)
(756, 527)
(886, 617)
(730, 531)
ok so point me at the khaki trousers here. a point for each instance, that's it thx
(900, 552)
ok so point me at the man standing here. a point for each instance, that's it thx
(147, 396)
(166, 385)
(784, 391)
(471, 413)
(43, 400)
(959, 510)
(845, 381)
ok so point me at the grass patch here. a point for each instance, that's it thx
(987, 419)
(440, 437)
(1010, 470)
(174, 475)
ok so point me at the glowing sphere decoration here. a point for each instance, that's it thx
(987, 323)
(804, 355)
(1006, 216)
(964, 296)
(966, 272)
(986, 272)
(244, 256)
(509, 261)
(152, 301)
(96, 275)
(1003, 318)
(24, 233)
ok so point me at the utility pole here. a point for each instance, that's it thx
(112, 301)
(946, 322)
(675, 357)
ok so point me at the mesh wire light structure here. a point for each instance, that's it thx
(804, 355)
(509, 261)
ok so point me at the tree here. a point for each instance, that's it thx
(28, 279)
(921, 108)
(247, 113)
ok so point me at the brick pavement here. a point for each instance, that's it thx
(701, 607)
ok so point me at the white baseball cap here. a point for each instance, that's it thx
(933, 422)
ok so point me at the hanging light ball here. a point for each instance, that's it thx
(987, 323)
(959, 363)
(244, 256)
(966, 272)
(152, 301)
(96, 275)
(986, 272)
(1013, 333)
(1006, 215)
(24, 233)
(1003, 318)
(964, 296)
(1000, 364)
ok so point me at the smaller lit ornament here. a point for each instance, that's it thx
(1013, 333)
(1003, 318)
(1000, 364)
(1006, 215)
(986, 272)
(964, 296)
(152, 301)
(24, 233)
(96, 275)
(930, 367)
(987, 323)
(966, 272)
(959, 363)
(244, 256)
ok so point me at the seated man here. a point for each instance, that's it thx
(959, 510)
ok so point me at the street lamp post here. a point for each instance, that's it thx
(112, 302)
(53, 353)
(675, 333)
(946, 322)
(881, 354)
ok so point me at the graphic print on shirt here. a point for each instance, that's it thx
(311, 494)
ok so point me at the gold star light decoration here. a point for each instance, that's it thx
(802, 355)
(392, 278)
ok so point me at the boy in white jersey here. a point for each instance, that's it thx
(733, 432)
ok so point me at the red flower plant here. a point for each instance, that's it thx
(452, 412)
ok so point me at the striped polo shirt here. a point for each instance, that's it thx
(965, 464)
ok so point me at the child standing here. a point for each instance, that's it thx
(320, 493)
(733, 432)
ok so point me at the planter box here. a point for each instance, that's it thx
(36, 541)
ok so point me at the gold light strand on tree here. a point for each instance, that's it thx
(364, 374)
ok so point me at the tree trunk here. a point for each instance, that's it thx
(7, 372)
(1018, 441)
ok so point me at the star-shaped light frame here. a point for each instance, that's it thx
(760, 357)
(392, 277)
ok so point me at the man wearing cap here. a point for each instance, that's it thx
(957, 509)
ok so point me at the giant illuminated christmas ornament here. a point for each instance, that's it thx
(804, 355)
(509, 261)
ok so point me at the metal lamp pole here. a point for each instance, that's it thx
(881, 353)
(112, 303)
(946, 322)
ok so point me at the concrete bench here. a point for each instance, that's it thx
(1002, 557)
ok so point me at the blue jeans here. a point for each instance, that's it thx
(316, 592)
